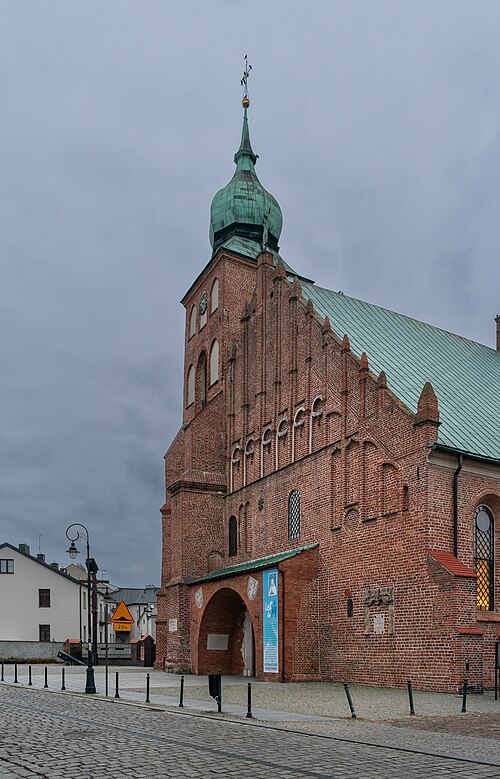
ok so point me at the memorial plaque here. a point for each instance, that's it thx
(218, 641)
(379, 624)
(172, 625)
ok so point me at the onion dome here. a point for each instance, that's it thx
(243, 208)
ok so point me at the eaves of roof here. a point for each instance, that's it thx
(40, 562)
(253, 565)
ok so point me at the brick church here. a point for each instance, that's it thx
(332, 493)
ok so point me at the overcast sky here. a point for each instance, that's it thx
(377, 127)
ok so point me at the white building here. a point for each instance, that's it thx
(40, 602)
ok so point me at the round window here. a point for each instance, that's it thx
(483, 519)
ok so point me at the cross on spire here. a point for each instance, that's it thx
(244, 83)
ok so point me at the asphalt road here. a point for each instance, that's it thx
(59, 736)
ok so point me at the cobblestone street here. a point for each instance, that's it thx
(62, 736)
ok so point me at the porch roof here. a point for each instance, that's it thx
(253, 565)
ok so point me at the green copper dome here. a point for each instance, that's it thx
(243, 208)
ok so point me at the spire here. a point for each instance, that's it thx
(245, 158)
(245, 151)
(244, 216)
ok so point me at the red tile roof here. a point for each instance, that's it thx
(487, 616)
(469, 631)
(452, 564)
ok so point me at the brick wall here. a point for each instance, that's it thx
(295, 409)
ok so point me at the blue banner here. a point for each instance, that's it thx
(270, 621)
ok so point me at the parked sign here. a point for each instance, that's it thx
(270, 626)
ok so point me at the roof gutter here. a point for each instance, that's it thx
(468, 455)
(455, 504)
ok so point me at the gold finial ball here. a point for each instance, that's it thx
(245, 102)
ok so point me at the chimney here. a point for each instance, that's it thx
(55, 566)
(24, 548)
(40, 557)
(497, 320)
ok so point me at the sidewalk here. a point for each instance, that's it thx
(439, 727)
(297, 701)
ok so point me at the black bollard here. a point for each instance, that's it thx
(116, 686)
(349, 700)
(464, 697)
(15, 674)
(46, 682)
(30, 683)
(2, 679)
(147, 689)
(410, 696)
(63, 686)
(181, 698)
(249, 701)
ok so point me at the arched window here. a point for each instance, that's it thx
(202, 378)
(192, 322)
(214, 296)
(483, 557)
(190, 386)
(203, 309)
(294, 513)
(214, 363)
(233, 537)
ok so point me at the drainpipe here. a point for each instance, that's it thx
(282, 626)
(455, 504)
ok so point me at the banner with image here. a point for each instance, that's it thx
(270, 621)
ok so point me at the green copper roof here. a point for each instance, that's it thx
(465, 375)
(254, 565)
(243, 208)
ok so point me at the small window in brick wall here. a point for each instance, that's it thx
(233, 537)
(294, 515)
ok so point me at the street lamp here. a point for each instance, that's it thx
(92, 568)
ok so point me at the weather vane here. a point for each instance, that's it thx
(244, 83)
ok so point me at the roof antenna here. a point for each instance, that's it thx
(40, 543)
(244, 83)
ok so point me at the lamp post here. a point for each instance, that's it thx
(107, 599)
(92, 568)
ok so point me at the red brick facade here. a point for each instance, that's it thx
(292, 408)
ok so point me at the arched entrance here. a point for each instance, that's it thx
(226, 641)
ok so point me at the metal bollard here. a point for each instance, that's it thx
(46, 682)
(464, 697)
(181, 697)
(410, 696)
(147, 689)
(116, 686)
(63, 686)
(30, 683)
(249, 701)
(15, 674)
(349, 700)
(2, 679)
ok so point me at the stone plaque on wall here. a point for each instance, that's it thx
(379, 624)
(172, 625)
(218, 641)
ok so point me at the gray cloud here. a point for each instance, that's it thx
(377, 126)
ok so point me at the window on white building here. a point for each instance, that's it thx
(44, 599)
(6, 566)
(44, 632)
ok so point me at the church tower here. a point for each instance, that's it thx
(245, 222)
